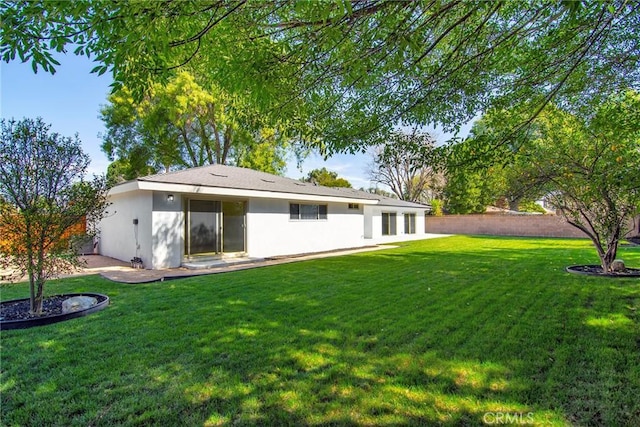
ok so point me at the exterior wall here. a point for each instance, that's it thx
(368, 222)
(168, 231)
(373, 215)
(118, 235)
(270, 232)
(502, 225)
(159, 238)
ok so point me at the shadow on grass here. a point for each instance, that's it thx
(451, 331)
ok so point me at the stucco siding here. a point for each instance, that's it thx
(159, 235)
(374, 221)
(119, 235)
(271, 232)
(168, 230)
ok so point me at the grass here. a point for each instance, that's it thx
(451, 331)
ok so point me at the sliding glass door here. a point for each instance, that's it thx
(233, 227)
(214, 227)
(203, 224)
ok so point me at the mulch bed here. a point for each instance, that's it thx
(596, 270)
(19, 309)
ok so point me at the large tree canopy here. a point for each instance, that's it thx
(348, 70)
(588, 168)
(181, 124)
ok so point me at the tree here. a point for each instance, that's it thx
(181, 124)
(589, 168)
(467, 191)
(326, 178)
(349, 71)
(593, 168)
(500, 172)
(43, 195)
(263, 151)
(402, 163)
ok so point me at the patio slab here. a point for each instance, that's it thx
(132, 275)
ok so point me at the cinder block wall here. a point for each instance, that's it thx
(502, 225)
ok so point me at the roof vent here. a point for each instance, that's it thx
(215, 174)
(266, 180)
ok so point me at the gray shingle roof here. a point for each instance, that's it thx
(222, 176)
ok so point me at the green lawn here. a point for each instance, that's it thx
(457, 331)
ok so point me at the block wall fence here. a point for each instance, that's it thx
(506, 225)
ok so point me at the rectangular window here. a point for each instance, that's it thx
(409, 223)
(389, 224)
(294, 211)
(307, 212)
(354, 206)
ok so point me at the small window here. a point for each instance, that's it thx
(294, 211)
(354, 206)
(389, 224)
(307, 212)
(322, 211)
(409, 223)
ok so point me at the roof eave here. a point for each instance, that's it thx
(231, 192)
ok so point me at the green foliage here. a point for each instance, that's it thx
(264, 151)
(344, 73)
(468, 191)
(532, 207)
(588, 167)
(594, 169)
(326, 178)
(181, 124)
(436, 207)
(424, 334)
(43, 194)
(494, 158)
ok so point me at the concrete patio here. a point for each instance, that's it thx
(122, 272)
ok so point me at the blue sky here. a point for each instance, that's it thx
(70, 101)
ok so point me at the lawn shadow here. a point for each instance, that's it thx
(428, 333)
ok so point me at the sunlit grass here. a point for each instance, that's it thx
(447, 331)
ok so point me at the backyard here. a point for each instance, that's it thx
(455, 331)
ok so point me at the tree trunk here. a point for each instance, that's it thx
(39, 294)
(31, 268)
(610, 254)
(32, 293)
(227, 143)
(36, 289)
(187, 144)
(206, 142)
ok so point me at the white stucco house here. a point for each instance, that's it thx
(224, 211)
